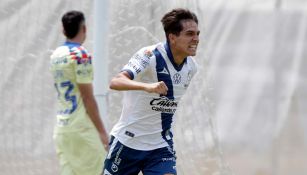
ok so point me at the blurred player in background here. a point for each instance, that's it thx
(79, 133)
(154, 80)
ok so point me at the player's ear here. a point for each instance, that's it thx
(171, 38)
(84, 28)
(63, 31)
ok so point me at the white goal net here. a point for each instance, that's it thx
(244, 112)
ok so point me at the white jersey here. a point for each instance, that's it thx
(146, 119)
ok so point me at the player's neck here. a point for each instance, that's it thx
(77, 39)
(178, 57)
(74, 40)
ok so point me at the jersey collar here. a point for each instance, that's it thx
(171, 58)
(71, 44)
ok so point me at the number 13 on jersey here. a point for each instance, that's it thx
(70, 99)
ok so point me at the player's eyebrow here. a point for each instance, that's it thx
(192, 32)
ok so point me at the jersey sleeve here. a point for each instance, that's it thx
(83, 66)
(138, 63)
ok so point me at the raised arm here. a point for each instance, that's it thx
(122, 82)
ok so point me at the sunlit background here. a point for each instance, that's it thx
(244, 112)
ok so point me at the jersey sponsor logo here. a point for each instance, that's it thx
(164, 105)
(60, 60)
(84, 72)
(143, 61)
(134, 67)
(177, 78)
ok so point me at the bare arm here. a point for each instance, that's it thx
(91, 107)
(123, 82)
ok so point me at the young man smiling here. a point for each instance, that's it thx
(154, 80)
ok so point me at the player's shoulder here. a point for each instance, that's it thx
(60, 51)
(147, 51)
(191, 58)
(69, 49)
(78, 50)
(191, 61)
(80, 54)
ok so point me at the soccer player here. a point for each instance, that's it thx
(79, 132)
(154, 80)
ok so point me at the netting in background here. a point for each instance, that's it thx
(243, 112)
(30, 30)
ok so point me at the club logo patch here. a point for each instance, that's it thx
(177, 78)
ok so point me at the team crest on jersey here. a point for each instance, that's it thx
(177, 78)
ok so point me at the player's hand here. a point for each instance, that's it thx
(159, 88)
(105, 141)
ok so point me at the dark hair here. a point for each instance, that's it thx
(72, 21)
(172, 20)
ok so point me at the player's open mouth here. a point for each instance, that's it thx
(193, 47)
